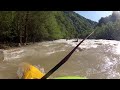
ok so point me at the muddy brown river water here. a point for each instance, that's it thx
(95, 59)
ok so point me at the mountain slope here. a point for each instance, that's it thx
(79, 22)
(33, 26)
(111, 18)
(108, 27)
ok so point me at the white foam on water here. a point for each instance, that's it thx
(109, 67)
(52, 52)
(113, 75)
(46, 45)
(117, 49)
(13, 54)
(85, 45)
(92, 43)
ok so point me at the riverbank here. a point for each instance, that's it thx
(17, 45)
(71, 42)
(13, 45)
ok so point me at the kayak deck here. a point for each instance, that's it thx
(28, 71)
(70, 77)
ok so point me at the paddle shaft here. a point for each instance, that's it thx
(64, 59)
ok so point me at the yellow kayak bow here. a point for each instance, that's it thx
(28, 71)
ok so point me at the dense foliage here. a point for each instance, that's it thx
(34, 26)
(108, 27)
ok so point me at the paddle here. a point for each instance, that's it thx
(64, 59)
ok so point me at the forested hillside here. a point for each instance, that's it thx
(108, 27)
(33, 26)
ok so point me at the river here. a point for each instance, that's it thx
(94, 59)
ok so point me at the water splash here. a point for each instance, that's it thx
(55, 51)
(106, 51)
(109, 67)
(13, 54)
(24, 66)
(117, 48)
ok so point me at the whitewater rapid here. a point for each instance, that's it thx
(93, 58)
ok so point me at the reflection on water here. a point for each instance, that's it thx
(99, 59)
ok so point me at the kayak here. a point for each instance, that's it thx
(28, 71)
